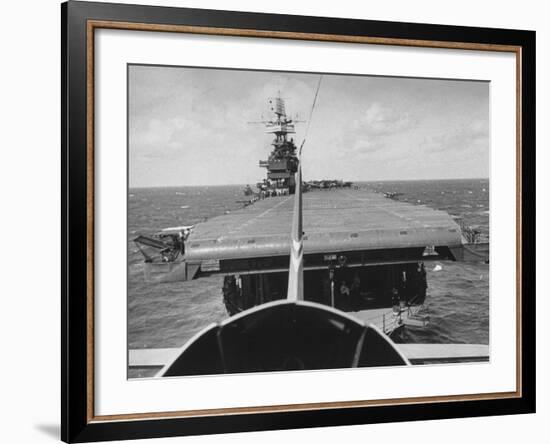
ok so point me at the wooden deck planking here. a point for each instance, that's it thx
(337, 219)
(323, 210)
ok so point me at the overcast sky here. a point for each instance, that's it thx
(189, 126)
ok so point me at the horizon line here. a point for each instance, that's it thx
(353, 181)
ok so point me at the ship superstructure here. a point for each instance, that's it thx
(282, 162)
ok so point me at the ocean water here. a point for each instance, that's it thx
(167, 315)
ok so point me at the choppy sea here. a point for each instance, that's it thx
(167, 315)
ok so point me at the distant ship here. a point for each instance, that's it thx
(363, 255)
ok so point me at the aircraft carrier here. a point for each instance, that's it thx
(363, 252)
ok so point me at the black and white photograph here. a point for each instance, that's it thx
(294, 221)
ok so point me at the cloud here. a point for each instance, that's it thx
(373, 132)
(164, 138)
(380, 120)
(470, 137)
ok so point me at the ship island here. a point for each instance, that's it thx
(363, 253)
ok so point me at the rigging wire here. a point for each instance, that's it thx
(311, 114)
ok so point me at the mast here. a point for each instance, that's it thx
(295, 289)
(296, 268)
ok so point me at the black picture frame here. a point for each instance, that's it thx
(77, 424)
